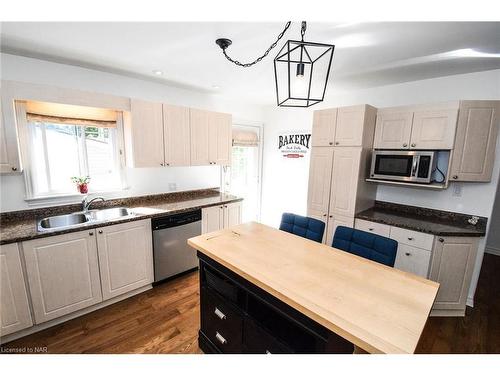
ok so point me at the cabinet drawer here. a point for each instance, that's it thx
(221, 322)
(372, 227)
(412, 238)
(256, 340)
(412, 259)
(221, 284)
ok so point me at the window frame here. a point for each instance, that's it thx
(30, 197)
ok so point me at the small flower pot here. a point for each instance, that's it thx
(83, 188)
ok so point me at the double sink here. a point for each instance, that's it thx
(79, 218)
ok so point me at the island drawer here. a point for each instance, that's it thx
(372, 227)
(256, 340)
(221, 322)
(221, 284)
(412, 238)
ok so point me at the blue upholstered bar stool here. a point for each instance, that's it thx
(302, 226)
(367, 245)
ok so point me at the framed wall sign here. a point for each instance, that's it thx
(294, 145)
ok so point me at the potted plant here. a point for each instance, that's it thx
(81, 184)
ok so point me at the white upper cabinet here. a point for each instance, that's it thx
(350, 125)
(320, 172)
(434, 130)
(9, 156)
(219, 125)
(323, 130)
(477, 132)
(200, 140)
(145, 134)
(14, 307)
(63, 274)
(344, 181)
(177, 137)
(393, 130)
(125, 257)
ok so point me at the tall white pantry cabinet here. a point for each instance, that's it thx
(340, 158)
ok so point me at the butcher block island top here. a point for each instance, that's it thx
(377, 308)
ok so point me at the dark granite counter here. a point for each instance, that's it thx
(439, 223)
(22, 225)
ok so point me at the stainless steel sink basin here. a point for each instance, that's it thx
(79, 218)
(63, 221)
(109, 213)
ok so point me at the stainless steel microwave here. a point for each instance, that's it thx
(407, 166)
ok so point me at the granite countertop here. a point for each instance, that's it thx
(436, 222)
(22, 225)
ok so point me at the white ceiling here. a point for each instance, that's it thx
(366, 54)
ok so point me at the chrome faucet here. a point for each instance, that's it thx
(86, 204)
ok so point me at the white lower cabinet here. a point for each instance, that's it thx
(372, 227)
(15, 312)
(220, 217)
(63, 274)
(125, 257)
(412, 259)
(333, 222)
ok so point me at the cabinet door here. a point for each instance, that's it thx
(14, 307)
(412, 259)
(220, 138)
(125, 257)
(212, 219)
(9, 156)
(147, 134)
(323, 130)
(349, 127)
(393, 130)
(320, 217)
(63, 274)
(232, 214)
(434, 129)
(452, 264)
(333, 222)
(477, 131)
(320, 174)
(344, 181)
(200, 139)
(176, 135)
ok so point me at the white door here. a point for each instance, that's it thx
(14, 307)
(125, 257)
(212, 219)
(63, 274)
(219, 125)
(323, 130)
(147, 133)
(393, 130)
(349, 128)
(232, 214)
(345, 174)
(412, 259)
(177, 137)
(434, 129)
(199, 136)
(320, 173)
(333, 222)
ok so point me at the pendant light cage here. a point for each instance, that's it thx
(301, 71)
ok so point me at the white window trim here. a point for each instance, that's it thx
(30, 198)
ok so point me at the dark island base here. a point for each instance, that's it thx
(240, 318)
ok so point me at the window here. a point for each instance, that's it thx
(58, 148)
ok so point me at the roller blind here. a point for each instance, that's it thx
(70, 114)
(245, 137)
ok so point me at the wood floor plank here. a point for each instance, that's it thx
(166, 319)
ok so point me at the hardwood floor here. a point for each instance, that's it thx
(166, 320)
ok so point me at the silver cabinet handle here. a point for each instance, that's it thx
(441, 240)
(330, 143)
(221, 339)
(370, 229)
(325, 215)
(91, 233)
(100, 231)
(14, 169)
(337, 143)
(455, 177)
(407, 254)
(405, 144)
(413, 145)
(410, 238)
(220, 314)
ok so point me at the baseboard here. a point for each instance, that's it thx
(470, 301)
(65, 318)
(492, 250)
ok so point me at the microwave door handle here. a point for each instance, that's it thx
(414, 166)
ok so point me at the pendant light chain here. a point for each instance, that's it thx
(246, 65)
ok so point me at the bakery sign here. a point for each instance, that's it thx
(294, 145)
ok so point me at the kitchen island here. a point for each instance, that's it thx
(265, 290)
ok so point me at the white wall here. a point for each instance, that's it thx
(493, 239)
(285, 181)
(141, 181)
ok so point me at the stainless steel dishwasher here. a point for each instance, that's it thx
(172, 255)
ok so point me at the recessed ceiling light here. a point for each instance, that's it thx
(157, 72)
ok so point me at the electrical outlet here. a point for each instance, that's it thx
(457, 190)
(172, 186)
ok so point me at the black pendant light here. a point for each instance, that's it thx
(301, 69)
